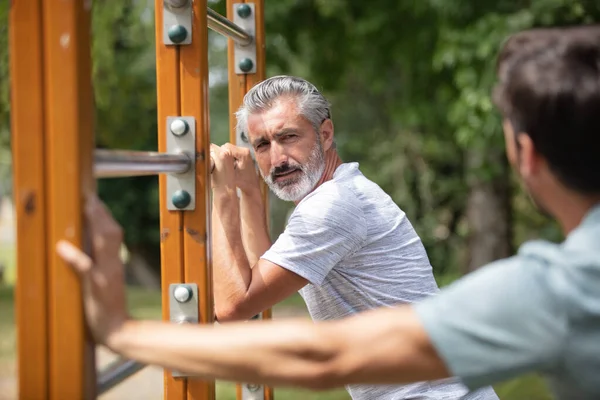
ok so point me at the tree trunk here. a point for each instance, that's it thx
(488, 209)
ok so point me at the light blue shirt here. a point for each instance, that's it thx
(537, 311)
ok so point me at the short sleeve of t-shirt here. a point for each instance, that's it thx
(325, 227)
(503, 320)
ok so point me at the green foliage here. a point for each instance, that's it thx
(124, 80)
(5, 155)
(411, 83)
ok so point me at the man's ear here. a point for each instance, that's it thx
(327, 134)
(528, 159)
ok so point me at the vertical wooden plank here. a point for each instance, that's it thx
(171, 222)
(194, 102)
(236, 83)
(239, 85)
(237, 90)
(69, 148)
(27, 140)
(251, 80)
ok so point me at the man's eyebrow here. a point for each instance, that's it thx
(258, 141)
(285, 132)
(279, 134)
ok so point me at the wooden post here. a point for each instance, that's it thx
(182, 90)
(69, 174)
(27, 131)
(52, 131)
(239, 85)
(196, 224)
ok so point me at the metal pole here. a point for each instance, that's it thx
(123, 163)
(225, 27)
(116, 373)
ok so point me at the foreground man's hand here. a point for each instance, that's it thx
(102, 275)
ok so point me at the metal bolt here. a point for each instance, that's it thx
(246, 65)
(253, 387)
(244, 10)
(179, 127)
(182, 294)
(177, 33)
(181, 199)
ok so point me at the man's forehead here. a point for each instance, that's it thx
(276, 119)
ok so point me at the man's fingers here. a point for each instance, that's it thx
(103, 228)
(237, 151)
(73, 256)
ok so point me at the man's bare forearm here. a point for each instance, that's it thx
(255, 234)
(231, 271)
(379, 347)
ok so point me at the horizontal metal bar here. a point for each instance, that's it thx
(225, 27)
(123, 163)
(116, 372)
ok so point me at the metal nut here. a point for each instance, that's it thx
(182, 294)
(179, 127)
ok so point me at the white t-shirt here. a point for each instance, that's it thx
(359, 251)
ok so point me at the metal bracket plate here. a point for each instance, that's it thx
(251, 391)
(249, 51)
(179, 184)
(183, 308)
(177, 16)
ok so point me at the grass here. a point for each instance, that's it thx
(7, 327)
(7, 258)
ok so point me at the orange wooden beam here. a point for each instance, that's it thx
(196, 224)
(182, 90)
(69, 144)
(251, 80)
(239, 85)
(171, 222)
(27, 130)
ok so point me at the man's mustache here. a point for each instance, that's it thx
(284, 169)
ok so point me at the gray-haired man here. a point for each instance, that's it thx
(347, 247)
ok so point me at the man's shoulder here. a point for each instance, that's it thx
(332, 194)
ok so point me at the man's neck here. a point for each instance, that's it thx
(570, 208)
(332, 161)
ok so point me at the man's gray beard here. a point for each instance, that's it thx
(310, 173)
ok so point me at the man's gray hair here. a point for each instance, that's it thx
(311, 103)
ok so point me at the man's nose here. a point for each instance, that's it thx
(278, 156)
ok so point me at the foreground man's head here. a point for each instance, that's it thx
(549, 97)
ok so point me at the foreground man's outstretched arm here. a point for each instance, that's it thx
(383, 346)
(386, 346)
